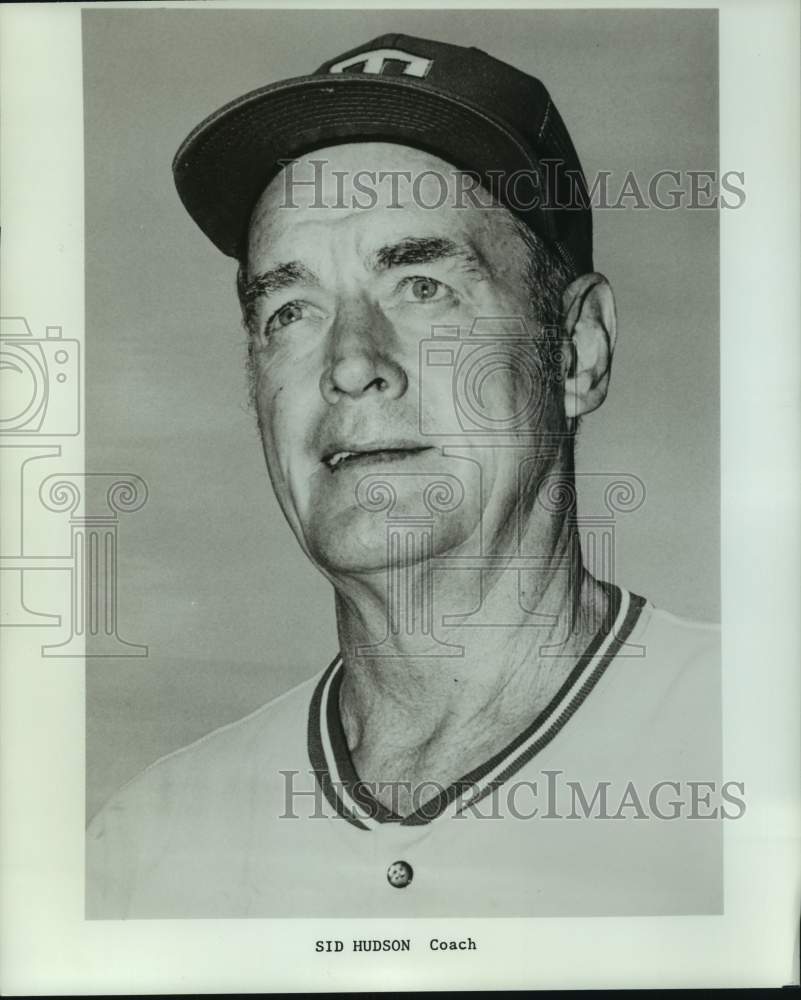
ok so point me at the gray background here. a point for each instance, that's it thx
(210, 576)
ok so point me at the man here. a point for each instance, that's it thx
(502, 731)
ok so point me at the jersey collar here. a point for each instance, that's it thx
(337, 777)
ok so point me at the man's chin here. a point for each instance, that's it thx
(357, 542)
(349, 551)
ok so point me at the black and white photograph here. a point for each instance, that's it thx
(511, 709)
(391, 491)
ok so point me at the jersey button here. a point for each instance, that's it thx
(399, 874)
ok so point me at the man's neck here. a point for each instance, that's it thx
(414, 712)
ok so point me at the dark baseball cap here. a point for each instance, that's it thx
(460, 104)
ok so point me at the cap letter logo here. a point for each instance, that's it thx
(374, 62)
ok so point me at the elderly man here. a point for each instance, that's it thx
(500, 733)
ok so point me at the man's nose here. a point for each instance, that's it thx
(362, 357)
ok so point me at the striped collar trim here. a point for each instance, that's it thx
(350, 799)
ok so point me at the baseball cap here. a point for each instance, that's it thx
(479, 114)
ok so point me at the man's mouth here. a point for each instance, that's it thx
(340, 458)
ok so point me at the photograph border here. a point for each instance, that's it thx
(47, 946)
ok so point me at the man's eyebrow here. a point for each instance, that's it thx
(423, 250)
(275, 279)
(409, 250)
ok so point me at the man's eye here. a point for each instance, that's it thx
(424, 289)
(285, 316)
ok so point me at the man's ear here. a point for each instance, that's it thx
(591, 326)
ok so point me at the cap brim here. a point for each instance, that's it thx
(225, 164)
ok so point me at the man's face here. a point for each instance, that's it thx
(343, 298)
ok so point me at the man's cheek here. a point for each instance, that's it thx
(270, 387)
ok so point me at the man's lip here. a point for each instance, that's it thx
(340, 454)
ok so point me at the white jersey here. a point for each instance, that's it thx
(609, 803)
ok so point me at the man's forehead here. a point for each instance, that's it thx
(383, 189)
(328, 175)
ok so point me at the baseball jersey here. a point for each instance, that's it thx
(608, 803)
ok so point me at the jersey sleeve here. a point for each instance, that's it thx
(122, 842)
(110, 864)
